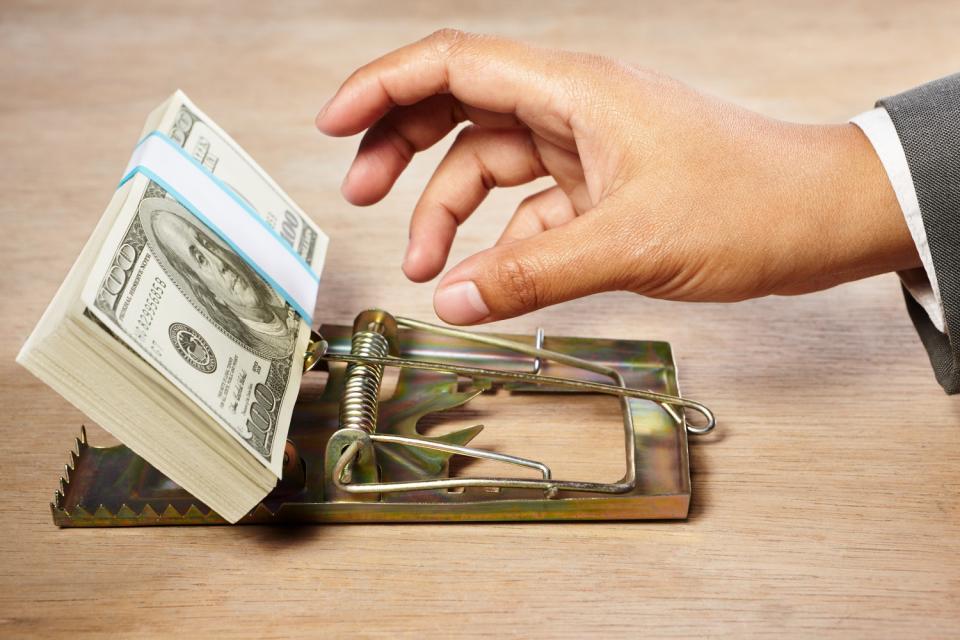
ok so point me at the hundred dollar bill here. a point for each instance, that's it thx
(212, 147)
(179, 296)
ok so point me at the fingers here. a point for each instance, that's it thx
(388, 146)
(478, 161)
(573, 260)
(489, 73)
(541, 211)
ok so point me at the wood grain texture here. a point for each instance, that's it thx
(826, 503)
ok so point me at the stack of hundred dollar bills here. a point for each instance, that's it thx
(164, 336)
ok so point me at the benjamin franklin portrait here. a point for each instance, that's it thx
(216, 281)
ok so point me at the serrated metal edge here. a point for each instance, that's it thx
(59, 496)
(261, 511)
(149, 513)
(81, 516)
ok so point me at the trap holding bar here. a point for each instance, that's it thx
(373, 332)
(353, 456)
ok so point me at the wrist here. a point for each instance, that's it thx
(857, 224)
(873, 209)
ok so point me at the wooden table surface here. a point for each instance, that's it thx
(826, 503)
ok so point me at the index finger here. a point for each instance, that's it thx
(490, 73)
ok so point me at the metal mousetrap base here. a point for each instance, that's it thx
(353, 458)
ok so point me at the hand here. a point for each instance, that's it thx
(659, 190)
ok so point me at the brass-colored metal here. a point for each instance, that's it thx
(358, 406)
(378, 321)
(317, 351)
(316, 348)
(338, 472)
(360, 402)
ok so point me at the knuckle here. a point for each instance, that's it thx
(447, 40)
(467, 150)
(359, 74)
(529, 201)
(594, 65)
(587, 74)
(517, 278)
(596, 80)
(404, 148)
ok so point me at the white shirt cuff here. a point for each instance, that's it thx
(921, 283)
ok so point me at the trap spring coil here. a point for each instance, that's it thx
(374, 338)
(358, 406)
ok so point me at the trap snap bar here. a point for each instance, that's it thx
(354, 456)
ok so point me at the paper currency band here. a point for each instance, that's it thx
(229, 216)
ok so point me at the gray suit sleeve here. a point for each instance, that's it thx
(927, 120)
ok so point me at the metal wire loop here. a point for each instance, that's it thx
(370, 353)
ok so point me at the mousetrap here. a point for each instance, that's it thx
(355, 454)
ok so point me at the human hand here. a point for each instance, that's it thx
(659, 190)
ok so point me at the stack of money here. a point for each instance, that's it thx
(170, 340)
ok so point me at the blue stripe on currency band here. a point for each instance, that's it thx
(195, 211)
(230, 192)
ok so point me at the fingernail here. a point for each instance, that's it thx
(351, 176)
(323, 110)
(326, 105)
(460, 303)
(408, 255)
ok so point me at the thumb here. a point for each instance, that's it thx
(574, 260)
